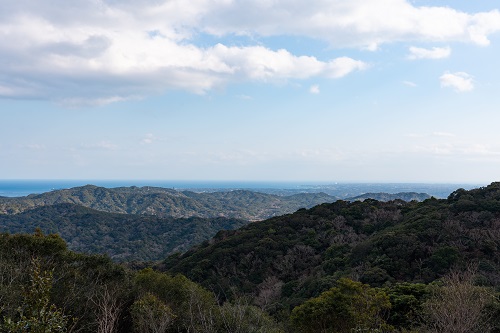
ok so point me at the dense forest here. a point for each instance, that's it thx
(286, 260)
(362, 266)
(124, 237)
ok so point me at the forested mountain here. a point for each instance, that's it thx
(165, 202)
(286, 260)
(362, 266)
(123, 237)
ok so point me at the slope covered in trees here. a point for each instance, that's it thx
(283, 261)
(348, 266)
(44, 287)
(165, 202)
(123, 237)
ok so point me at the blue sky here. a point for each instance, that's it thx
(323, 90)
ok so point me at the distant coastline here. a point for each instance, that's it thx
(23, 187)
(18, 188)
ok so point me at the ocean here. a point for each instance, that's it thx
(19, 188)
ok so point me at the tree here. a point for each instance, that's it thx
(350, 306)
(241, 317)
(459, 306)
(194, 308)
(151, 315)
(36, 314)
(109, 306)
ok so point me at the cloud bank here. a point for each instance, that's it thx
(99, 52)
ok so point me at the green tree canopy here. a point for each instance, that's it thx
(346, 307)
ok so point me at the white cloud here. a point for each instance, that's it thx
(465, 150)
(108, 51)
(434, 53)
(433, 134)
(410, 84)
(314, 89)
(460, 81)
(355, 23)
(102, 145)
(34, 146)
(260, 63)
(148, 139)
(443, 134)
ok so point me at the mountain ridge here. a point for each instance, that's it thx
(165, 202)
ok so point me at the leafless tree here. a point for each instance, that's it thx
(202, 313)
(109, 306)
(459, 306)
(268, 292)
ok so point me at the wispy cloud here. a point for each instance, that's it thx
(104, 145)
(438, 134)
(34, 146)
(314, 89)
(460, 81)
(443, 134)
(148, 139)
(434, 53)
(410, 84)
(458, 150)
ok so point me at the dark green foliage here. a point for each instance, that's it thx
(36, 314)
(401, 253)
(65, 291)
(407, 301)
(379, 243)
(121, 236)
(348, 307)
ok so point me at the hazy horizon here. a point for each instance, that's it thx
(19, 188)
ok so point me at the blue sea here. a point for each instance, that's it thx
(18, 188)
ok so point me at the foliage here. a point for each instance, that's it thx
(151, 315)
(101, 296)
(336, 267)
(123, 237)
(283, 261)
(348, 307)
(36, 314)
(407, 304)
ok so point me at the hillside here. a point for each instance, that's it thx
(164, 202)
(285, 260)
(124, 237)
(367, 265)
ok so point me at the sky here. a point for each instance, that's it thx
(262, 90)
